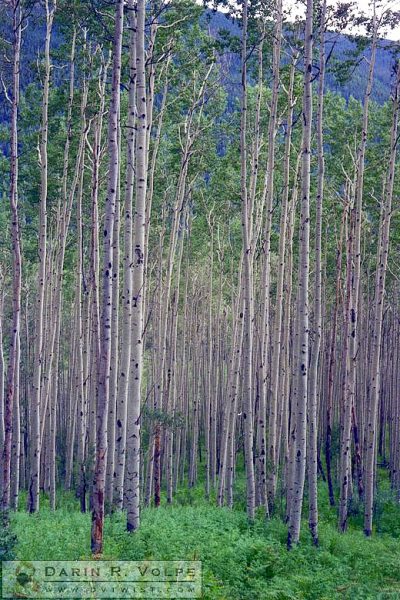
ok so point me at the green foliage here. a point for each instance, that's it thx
(239, 561)
(170, 421)
(8, 538)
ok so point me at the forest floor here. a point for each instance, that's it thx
(239, 562)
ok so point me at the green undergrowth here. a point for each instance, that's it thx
(240, 562)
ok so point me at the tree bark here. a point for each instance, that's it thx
(382, 260)
(303, 284)
(136, 362)
(35, 442)
(106, 304)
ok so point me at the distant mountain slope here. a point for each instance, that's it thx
(343, 45)
(214, 21)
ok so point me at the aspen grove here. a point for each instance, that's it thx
(200, 259)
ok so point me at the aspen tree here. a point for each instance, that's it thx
(332, 360)
(266, 284)
(352, 314)
(65, 205)
(285, 363)
(80, 372)
(208, 393)
(94, 266)
(76, 190)
(114, 362)
(182, 406)
(317, 317)
(72, 420)
(208, 352)
(247, 285)
(173, 375)
(2, 378)
(64, 208)
(382, 261)
(345, 416)
(136, 360)
(230, 409)
(260, 402)
(301, 359)
(53, 409)
(11, 396)
(124, 371)
(102, 398)
(191, 132)
(35, 443)
(395, 440)
(273, 456)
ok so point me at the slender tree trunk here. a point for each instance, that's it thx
(266, 283)
(375, 369)
(114, 364)
(106, 306)
(35, 442)
(126, 339)
(247, 286)
(2, 387)
(80, 369)
(352, 315)
(11, 435)
(136, 363)
(332, 362)
(95, 268)
(301, 358)
(317, 325)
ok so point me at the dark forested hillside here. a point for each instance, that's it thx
(348, 82)
(342, 49)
